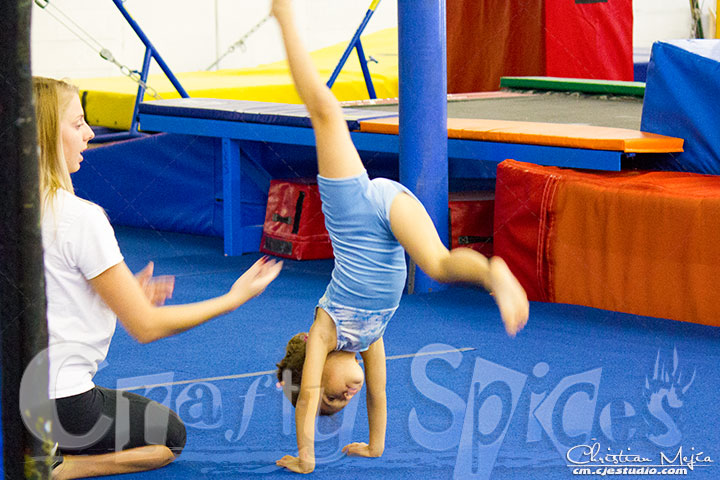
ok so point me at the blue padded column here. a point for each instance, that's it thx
(423, 114)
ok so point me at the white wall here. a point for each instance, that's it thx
(191, 34)
(660, 20)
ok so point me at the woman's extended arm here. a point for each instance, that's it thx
(125, 296)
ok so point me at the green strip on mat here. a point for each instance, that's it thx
(611, 87)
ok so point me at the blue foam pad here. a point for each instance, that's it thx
(683, 81)
(286, 114)
(574, 376)
(164, 182)
(641, 59)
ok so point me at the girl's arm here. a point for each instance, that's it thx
(375, 379)
(124, 294)
(321, 341)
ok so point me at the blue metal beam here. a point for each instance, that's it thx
(457, 149)
(355, 43)
(153, 51)
(423, 114)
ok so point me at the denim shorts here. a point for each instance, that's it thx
(357, 328)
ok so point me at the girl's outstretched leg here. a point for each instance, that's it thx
(416, 232)
(336, 154)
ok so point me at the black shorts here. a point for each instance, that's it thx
(97, 421)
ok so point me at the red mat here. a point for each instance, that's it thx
(636, 242)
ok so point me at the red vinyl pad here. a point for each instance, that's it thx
(294, 223)
(471, 221)
(589, 39)
(635, 242)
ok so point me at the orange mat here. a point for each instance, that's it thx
(548, 134)
(635, 242)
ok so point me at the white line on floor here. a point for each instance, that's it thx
(267, 372)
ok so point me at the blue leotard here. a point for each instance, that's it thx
(370, 272)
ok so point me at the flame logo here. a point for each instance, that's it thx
(664, 394)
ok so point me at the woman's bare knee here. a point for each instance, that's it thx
(137, 459)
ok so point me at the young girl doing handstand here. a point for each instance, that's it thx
(371, 224)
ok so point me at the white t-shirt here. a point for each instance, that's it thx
(79, 244)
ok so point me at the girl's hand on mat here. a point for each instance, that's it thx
(359, 449)
(295, 464)
(254, 281)
(157, 289)
(509, 296)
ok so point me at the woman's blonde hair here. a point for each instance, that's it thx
(51, 99)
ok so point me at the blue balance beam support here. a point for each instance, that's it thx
(150, 53)
(423, 116)
(356, 43)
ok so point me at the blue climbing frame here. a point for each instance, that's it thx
(150, 53)
(356, 44)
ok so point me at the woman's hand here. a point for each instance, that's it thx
(509, 296)
(157, 289)
(254, 281)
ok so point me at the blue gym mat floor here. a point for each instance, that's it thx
(579, 392)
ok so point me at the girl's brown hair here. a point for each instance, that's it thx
(293, 363)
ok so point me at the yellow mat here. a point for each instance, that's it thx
(109, 101)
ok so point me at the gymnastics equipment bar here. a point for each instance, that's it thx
(150, 53)
(355, 43)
